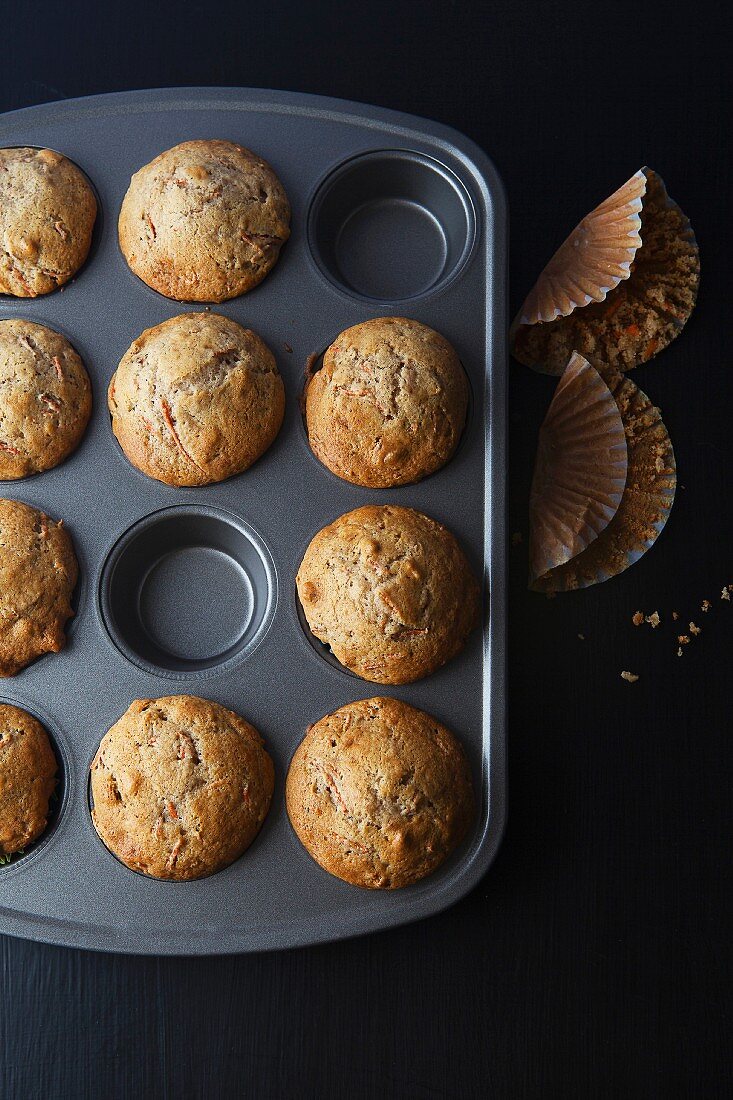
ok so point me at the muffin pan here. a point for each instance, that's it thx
(193, 590)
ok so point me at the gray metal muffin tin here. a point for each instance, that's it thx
(193, 591)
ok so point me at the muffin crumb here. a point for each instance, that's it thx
(629, 677)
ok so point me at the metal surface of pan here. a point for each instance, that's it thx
(193, 590)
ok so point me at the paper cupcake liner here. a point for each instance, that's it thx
(580, 471)
(593, 260)
(651, 481)
(636, 317)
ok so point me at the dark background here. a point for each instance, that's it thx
(593, 960)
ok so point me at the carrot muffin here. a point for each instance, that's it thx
(379, 793)
(180, 787)
(196, 399)
(27, 779)
(204, 221)
(38, 572)
(389, 404)
(47, 213)
(390, 591)
(45, 399)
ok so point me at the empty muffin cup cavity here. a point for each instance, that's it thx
(391, 225)
(188, 591)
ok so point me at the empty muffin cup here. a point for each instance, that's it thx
(187, 591)
(391, 225)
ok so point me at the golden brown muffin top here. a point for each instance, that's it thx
(38, 572)
(45, 399)
(27, 778)
(204, 221)
(390, 591)
(196, 399)
(379, 793)
(388, 406)
(47, 213)
(180, 787)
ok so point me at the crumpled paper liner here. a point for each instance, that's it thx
(580, 470)
(630, 317)
(651, 481)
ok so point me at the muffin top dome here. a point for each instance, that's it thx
(204, 221)
(389, 403)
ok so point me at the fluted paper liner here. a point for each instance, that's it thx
(580, 471)
(619, 289)
(593, 260)
(651, 480)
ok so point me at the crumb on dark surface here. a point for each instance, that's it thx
(706, 605)
(694, 629)
(637, 618)
(629, 677)
(653, 619)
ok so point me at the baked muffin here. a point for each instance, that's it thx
(204, 221)
(38, 573)
(180, 787)
(389, 404)
(390, 591)
(27, 779)
(45, 399)
(47, 213)
(196, 399)
(379, 793)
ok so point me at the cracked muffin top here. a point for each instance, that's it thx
(204, 221)
(379, 793)
(180, 787)
(196, 399)
(45, 399)
(38, 572)
(390, 591)
(389, 404)
(47, 213)
(27, 778)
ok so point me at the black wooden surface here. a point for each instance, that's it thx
(593, 960)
